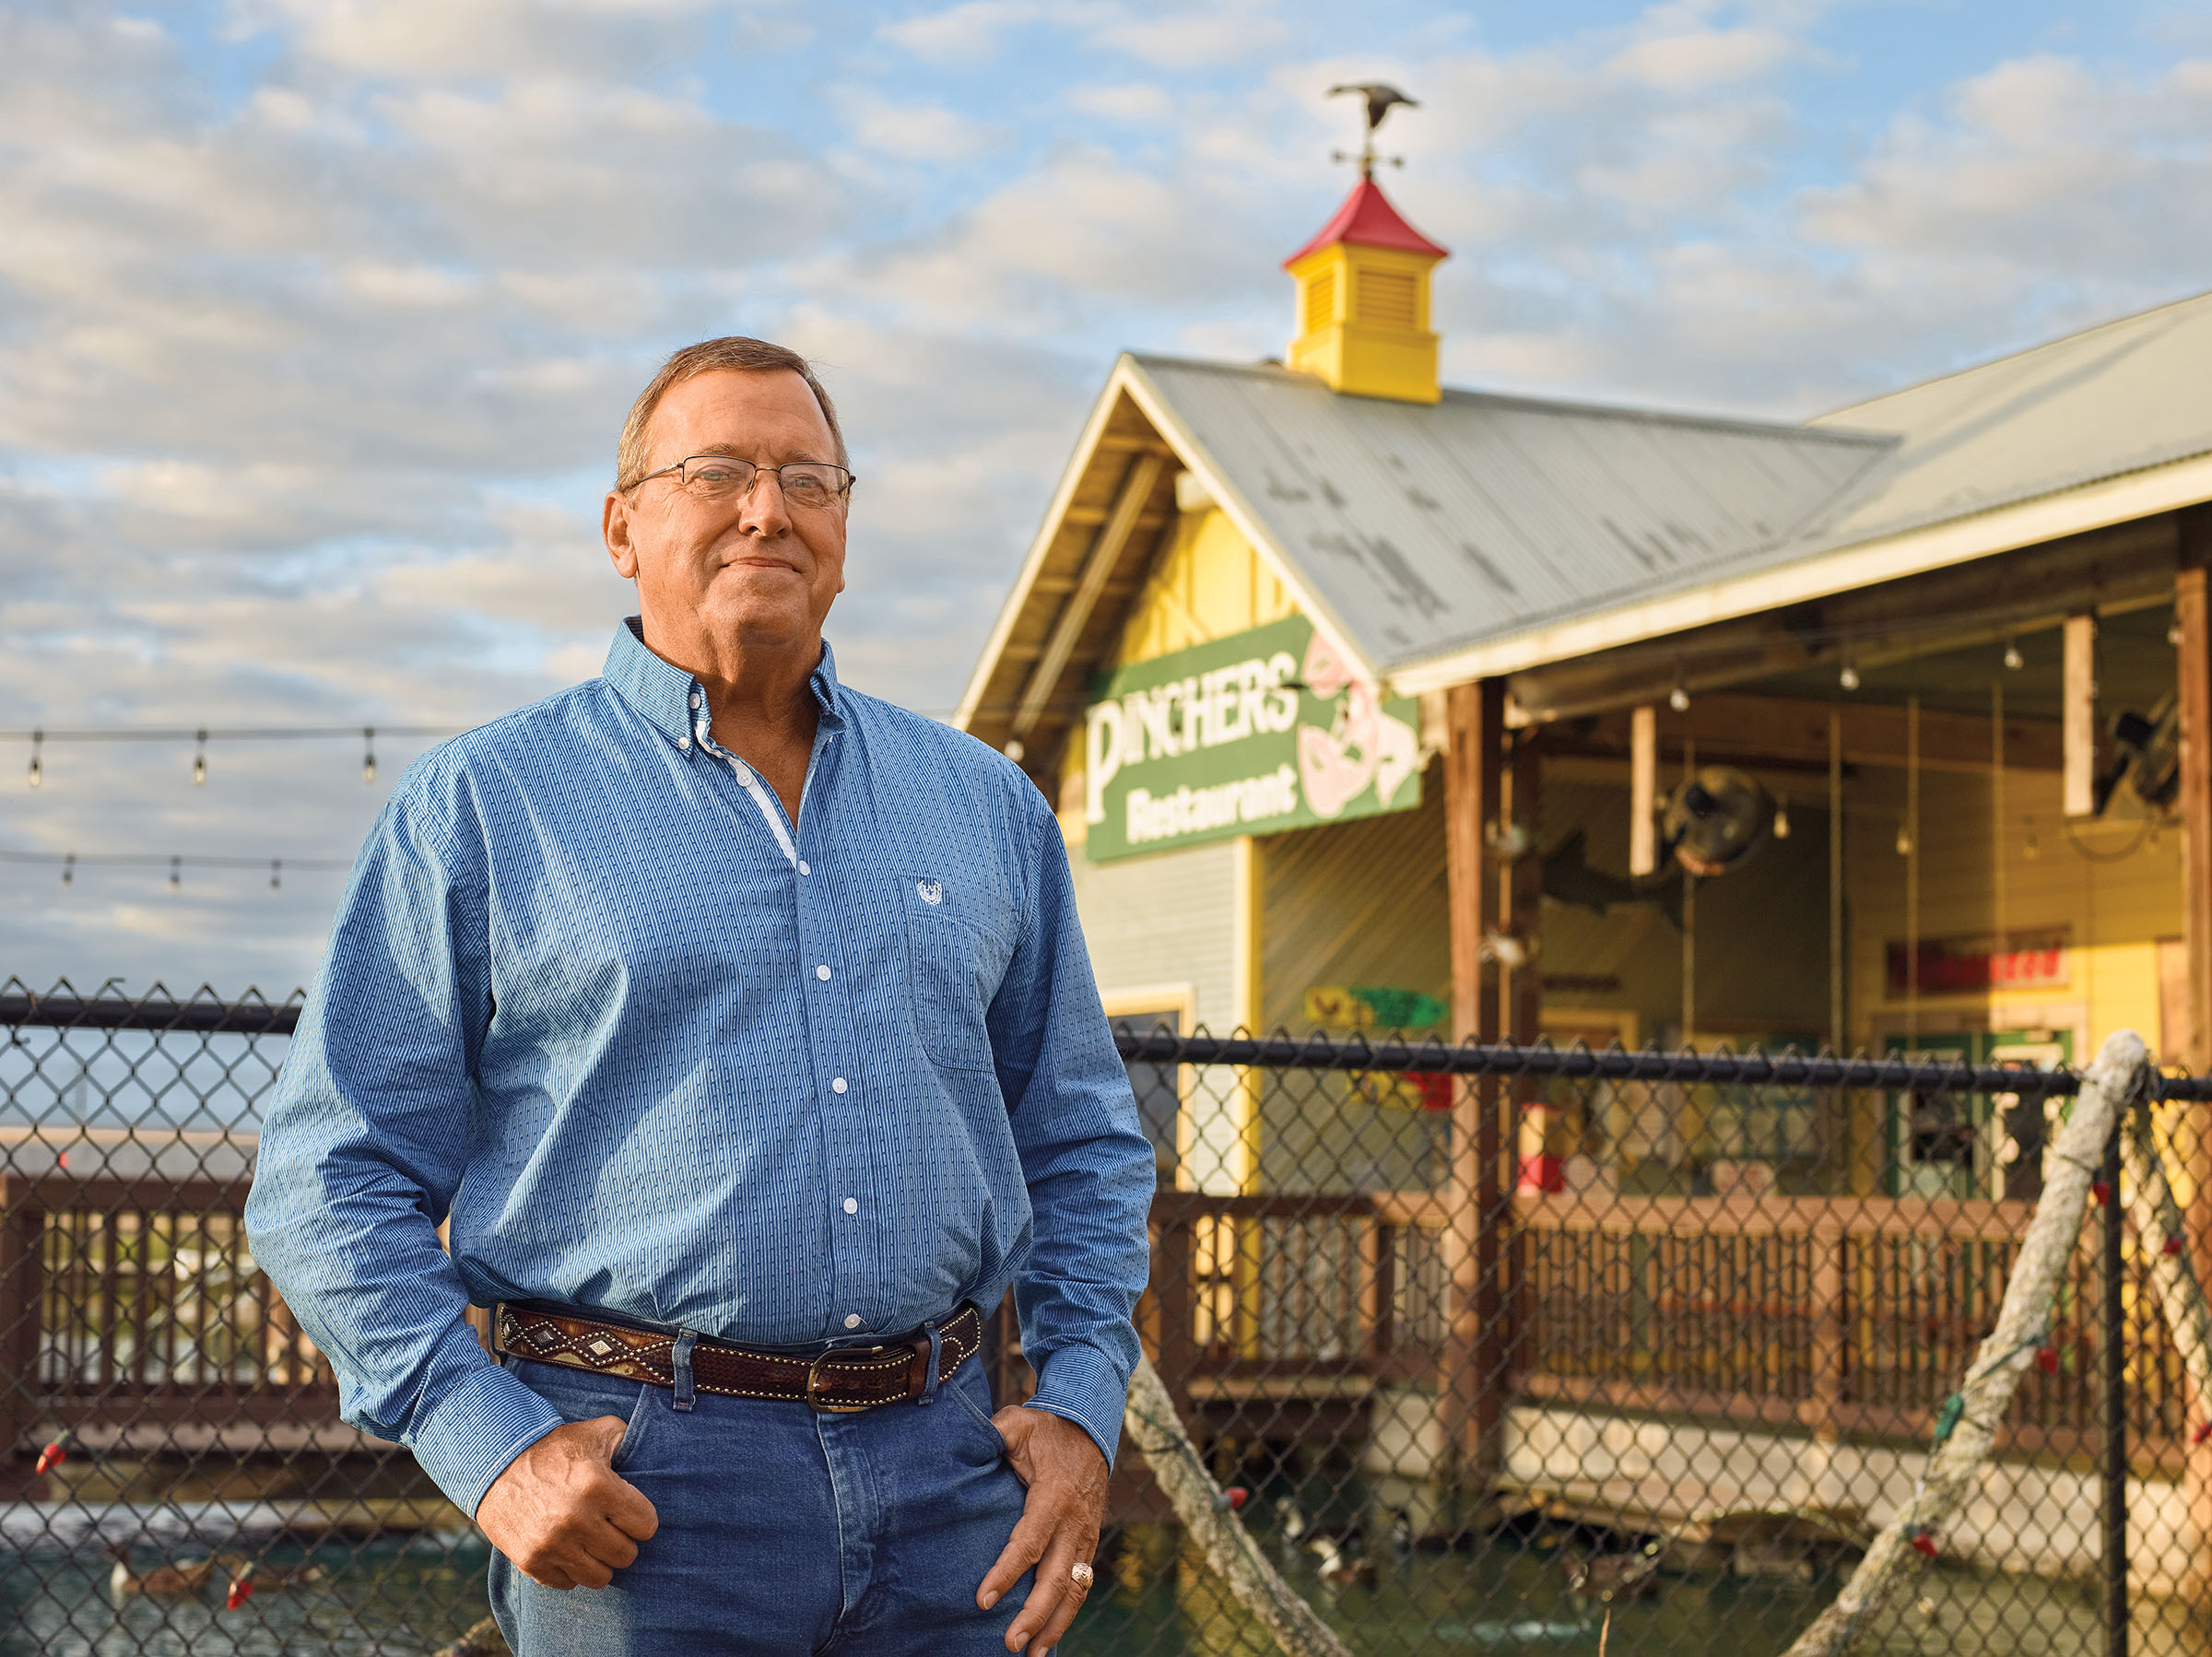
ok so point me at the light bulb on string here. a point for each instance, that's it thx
(199, 762)
(2030, 848)
(1904, 840)
(1782, 819)
(2173, 632)
(275, 873)
(367, 753)
(1849, 677)
(1678, 698)
(2014, 660)
(1014, 749)
(176, 872)
(38, 770)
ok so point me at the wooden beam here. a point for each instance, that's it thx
(1473, 1383)
(2122, 568)
(2193, 1134)
(1097, 564)
(1643, 788)
(1778, 730)
(2078, 717)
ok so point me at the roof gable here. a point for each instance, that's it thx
(1421, 529)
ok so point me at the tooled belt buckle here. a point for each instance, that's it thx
(823, 1407)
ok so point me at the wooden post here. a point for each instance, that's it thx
(2192, 1149)
(2078, 717)
(22, 1279)
(1643, 788)
(1470, 1394)
(1172, 1284)
(1823, 1411)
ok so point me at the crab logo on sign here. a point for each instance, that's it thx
(1264, 730)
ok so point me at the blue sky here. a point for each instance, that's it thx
(318, 317)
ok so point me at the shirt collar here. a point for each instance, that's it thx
(662, 691)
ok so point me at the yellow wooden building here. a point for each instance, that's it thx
(1367, 700)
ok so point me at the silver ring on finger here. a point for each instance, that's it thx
(1081, 1573)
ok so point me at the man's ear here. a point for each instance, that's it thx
(614, 529)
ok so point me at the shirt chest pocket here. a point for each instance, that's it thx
(956, 954)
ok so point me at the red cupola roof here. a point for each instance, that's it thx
(1368, 218)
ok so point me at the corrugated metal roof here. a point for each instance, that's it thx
(2100, 404)
(1423, 528)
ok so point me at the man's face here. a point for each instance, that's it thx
(750, 570)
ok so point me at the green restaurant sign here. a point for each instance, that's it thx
(1253, 733)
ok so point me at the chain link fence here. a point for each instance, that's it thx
(1494, 1349)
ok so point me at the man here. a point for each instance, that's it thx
(741, 1026)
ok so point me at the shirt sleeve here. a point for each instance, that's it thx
(364, 1147)
(1089, 1170)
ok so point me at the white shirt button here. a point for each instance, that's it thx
(837, 1084)
(743, 776)
(822, 972)
(852, 1319)
(852, 1204)
(695, 698)
(683, 742)
(802, 868)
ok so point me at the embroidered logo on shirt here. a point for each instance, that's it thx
(931, 891)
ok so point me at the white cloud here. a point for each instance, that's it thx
(1698, 60)
(1129, 100)
(917, 132)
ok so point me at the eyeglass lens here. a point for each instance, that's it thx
(805, 483)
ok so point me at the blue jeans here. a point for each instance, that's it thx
(784, 1532)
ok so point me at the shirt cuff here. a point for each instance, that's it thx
(1080, 1383)
(476, 1428)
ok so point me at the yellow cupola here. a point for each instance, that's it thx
(1363, 302)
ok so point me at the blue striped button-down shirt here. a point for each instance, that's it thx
(660, 1051)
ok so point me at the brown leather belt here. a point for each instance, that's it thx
(840, 1381)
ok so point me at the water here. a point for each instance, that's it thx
(397, 1598)
(1509, 1595)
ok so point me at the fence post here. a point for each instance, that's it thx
(2115, 1406)
(21, 1283)
(1172, 1283)
(1831, 1328)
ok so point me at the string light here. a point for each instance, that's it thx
(173, 862)
(37, 770)
(2013, 659)
(367, 753)
(199, 763)
(1849, 677)
(1904, 840)
(1678, 698)
(1781, 818)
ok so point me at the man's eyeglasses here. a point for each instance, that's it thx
(805, 483)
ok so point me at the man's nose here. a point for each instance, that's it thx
(763, 511)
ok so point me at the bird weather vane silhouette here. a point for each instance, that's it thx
(1380, 99)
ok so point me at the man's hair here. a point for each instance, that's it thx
(735, 351)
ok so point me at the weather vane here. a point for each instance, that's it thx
(1380, 101)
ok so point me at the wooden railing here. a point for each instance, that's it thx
(1851, 1317)
(136, 1300)
(1847, 1317)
